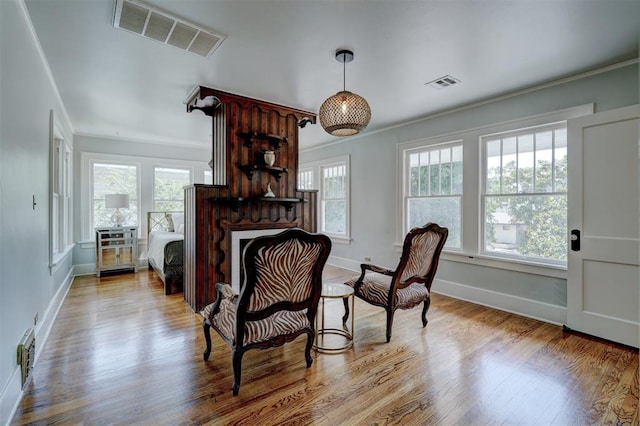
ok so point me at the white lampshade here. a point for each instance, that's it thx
(116, 201)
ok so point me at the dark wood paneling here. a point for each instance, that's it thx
(212, 212)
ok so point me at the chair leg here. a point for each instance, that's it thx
(390, 313)
(346, 310)
(237, 369)
(307, 349)
(424, 312)
(207, 337)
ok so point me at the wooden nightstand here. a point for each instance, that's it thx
(116, 249)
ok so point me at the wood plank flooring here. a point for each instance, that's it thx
(121, 352)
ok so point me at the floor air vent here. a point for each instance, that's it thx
(27, 355)
(138, 18)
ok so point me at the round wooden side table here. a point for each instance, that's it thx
(334, 291)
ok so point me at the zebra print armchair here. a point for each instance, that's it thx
(410, 283)
(278, 299)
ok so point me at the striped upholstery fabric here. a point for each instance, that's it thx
(283, 273)
(281, 322)
(422, 249)
(375, 288)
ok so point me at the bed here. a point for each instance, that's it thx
(165, 248)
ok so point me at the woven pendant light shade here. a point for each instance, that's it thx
(345, 113)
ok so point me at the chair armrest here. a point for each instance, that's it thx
(374, 268)
(223, 291)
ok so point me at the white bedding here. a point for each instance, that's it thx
(157, 241)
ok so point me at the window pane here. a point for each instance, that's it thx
(114, 179)
(333, 183)
(544, 162)
(445, 211)
(305, 179)
(434, 172)
(456, 170)
(525, 163)
(208, 177)
(494, 171)
(168, 188)
(509, 166)
(414, 180)
(531, 226)
(560, 160)
(334, 216)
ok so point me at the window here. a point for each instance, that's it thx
(113, 178)
(208, 177)
(433, 189)
(525, 193)
(153, 184)
(333, 213)
(331, 179)
(168, 188)
(60, 237)
(305, 179)
(510, 210)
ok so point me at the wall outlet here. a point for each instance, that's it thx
(35, 320)
(367, 259)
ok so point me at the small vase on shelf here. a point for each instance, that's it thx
(269, 193)
(269, 158)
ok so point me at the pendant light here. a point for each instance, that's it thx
(345, 113)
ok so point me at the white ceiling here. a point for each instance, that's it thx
(117, 84)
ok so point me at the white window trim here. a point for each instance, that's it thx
(472, 158)
(60, 173)
(316, 166)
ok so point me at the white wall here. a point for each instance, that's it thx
(26, 286)
(374, 177)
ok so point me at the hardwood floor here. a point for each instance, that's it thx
(121, 352)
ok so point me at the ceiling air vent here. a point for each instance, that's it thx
(138, 18)
(443, 82)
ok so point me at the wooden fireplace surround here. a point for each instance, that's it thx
(243, 128)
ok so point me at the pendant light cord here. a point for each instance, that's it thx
(344, 72)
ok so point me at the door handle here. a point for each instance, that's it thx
(575, 240)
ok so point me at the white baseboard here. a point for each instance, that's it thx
(343, 263)
(546, 312)
(12, 394)
(10, 397)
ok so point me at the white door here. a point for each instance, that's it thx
(603, 277)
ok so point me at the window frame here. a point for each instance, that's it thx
(317, 168)
(60, 194)
(88, 225)
(484, 194)
(429, 146)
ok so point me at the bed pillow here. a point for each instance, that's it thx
(169, 219)
(178, 222)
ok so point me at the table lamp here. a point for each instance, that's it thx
(117, 201)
